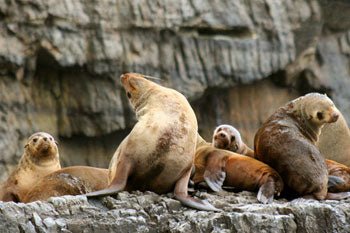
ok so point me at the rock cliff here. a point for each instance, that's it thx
(236, 61)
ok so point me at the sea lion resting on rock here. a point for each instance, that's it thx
(339, 170)
(40, 158)
(287, 142)
(222, 167)
(158, 153)
(73, 180)
(334, 142)
(228, 137)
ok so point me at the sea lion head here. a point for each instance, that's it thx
(136, 86)
(318, 109)
(227, 137)
(41, 145)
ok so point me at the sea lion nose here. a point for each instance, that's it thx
(335, 116)
(222, 135)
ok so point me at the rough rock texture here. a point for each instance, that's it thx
(149, 212)
(60, 63)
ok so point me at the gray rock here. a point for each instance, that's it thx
(149, 212)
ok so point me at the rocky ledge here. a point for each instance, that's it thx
(149, 212)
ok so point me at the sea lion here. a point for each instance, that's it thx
(339, 170)
(334, 142)
(287, 142)
(158, 153)
(228, 137)
(40, 158)
(73, 180)
(219, 167)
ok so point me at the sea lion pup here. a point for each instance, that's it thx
(73, 180)
(287, 142)
(158, 153)
(219, 167)
(334, 142)
(40, 158)
(228, 137)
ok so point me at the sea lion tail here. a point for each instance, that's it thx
(266, 192)
(334, 181)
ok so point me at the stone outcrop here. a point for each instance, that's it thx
(149, 212)
(60, 63)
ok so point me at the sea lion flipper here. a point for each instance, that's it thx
(196, 203)
(215, 174)
(119, 181)
(335, 181)
(266, 192)
(180, 192)
(337, 196)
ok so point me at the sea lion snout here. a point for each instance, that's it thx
(334, 117)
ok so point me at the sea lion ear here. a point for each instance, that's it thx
(26, 145)
(56, 142)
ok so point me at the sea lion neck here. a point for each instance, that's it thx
(140, 105)
(309, 130)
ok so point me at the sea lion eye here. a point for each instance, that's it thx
(320, 115)
(219, 129)
(50, 139)
(233, 138)
(128, 94)
(35, 140)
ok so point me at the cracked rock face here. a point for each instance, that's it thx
(236, 61)
(60, 63)
(149, 212)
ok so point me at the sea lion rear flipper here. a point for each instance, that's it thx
(215, 173)
(181, 195)
(118, 183)
(335, 181)
(338, 196)
(266, 192)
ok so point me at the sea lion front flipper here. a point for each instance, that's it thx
(180, 193)
(335, 181)
(119, 181)
(215, 173)
(266, 192)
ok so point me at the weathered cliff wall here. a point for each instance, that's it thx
(60, 63)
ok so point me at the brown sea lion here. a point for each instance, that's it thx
(40, 158)
(228, 137)
(73, 180)
(287, 142)
(158, 153)
(339, 170)
(219, 167)
(334, 142)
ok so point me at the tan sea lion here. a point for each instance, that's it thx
(287, 142)
(228, 137)
(158, 153)
(73, 180)
(334, 142)
(40, 158)
(219, 167)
